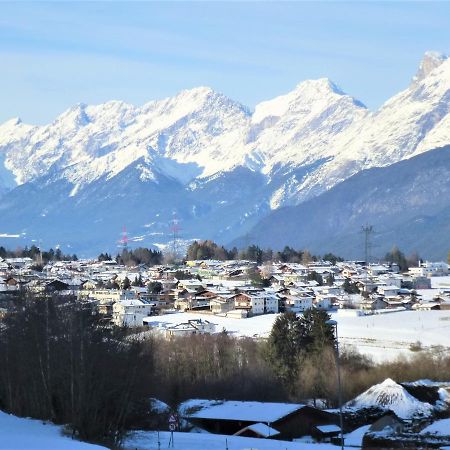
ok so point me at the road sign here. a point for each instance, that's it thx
(172, 427)
(173, 418)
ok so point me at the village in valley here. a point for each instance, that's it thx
(233, 289)
(379, 309)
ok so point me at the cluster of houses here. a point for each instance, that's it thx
(239, 289)
(387, 415)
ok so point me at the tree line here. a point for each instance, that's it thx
(200, 250)
(207, 249)
(135, 257)
(396, 256)
(37, 255)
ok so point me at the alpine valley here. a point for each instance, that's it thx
(308, 168)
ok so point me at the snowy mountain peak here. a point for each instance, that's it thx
(198, 97)
(199, 94)
(12, 129)
(317, 94)
(318, 88)
(320, 85)
(198, 91)
(430, 61)
(75, 116)
(12, 122)
(11, 126)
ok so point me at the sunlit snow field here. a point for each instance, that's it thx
(18, 433)
(382, 336)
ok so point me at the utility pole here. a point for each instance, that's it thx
(368, 231)
(41, 262)
(334, 324)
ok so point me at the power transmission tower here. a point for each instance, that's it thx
(368, 231)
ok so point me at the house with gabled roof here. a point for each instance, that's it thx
(130, 313)
(192, 326)
(287, 420)
(221, 304)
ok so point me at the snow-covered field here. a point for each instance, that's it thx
(382, 336)
(386, 336)
(438, 282)
(17, 434)
(258, 326)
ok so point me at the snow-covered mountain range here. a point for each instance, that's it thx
(211, 160)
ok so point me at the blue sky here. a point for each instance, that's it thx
(54, 55)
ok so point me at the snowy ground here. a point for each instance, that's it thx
(17, 434)
(383, 336)
(258, 326)
(440, 282)
(147, 440)
(355, 438)
(405, 327)
(438, 428)
(386, 336)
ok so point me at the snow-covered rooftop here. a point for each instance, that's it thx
(262, 429)
(237, 410)
(329, 428)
